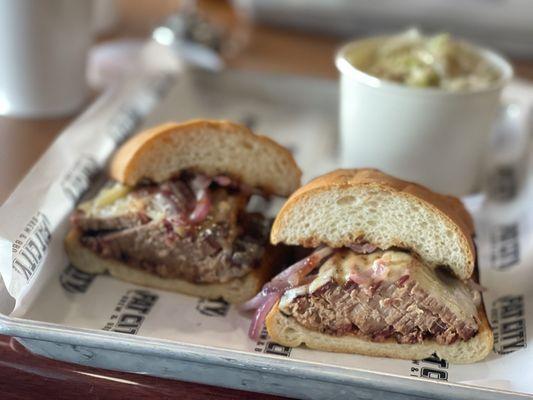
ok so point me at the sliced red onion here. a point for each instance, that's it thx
(166, 188)
(273, 290)
(375, 274)
(297, 271)
(361, 278)
(295, 278)
(362, 248)
(308, 279)
(201, 209)
(268, 288)
(199, 183)
(255, 302)
(401, 280)
(379, 270)
(473, 285)
(223, 180)
(261, 314)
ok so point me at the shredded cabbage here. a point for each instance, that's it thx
(431, 61)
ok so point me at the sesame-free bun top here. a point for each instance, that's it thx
(209, 147)
(365, 205)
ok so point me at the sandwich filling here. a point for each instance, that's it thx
(191, 227)
(381, 295)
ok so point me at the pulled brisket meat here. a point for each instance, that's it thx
(401, 310)
(179, 230)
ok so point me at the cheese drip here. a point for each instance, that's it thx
(345, 264)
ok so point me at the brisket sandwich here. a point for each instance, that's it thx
(390, 274)
(175, 214)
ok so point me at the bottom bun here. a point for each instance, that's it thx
(287, 331)
(234, 291)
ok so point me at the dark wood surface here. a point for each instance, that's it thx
(26, 376)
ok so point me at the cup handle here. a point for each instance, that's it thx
(506, 162)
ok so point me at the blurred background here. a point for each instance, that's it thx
(58, 56)
(280, 36)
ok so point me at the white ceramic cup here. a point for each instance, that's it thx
(43, 53)
(428, 135)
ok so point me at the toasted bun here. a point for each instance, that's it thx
(210, 147)
(288, 332)
(347, 206)
(235, 291)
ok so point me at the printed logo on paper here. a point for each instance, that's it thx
(432, 367)
(503, 183)
(213, 308)
(131, 311)
(31, 245)
(508, 324)
(78, 178)
(124, 123)
(264, 345)
(130, 116)
(75, 281)
(505, 246)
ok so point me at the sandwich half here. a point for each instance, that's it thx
(391, 273)
(174, 215)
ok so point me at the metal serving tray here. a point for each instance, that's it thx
(265, 101)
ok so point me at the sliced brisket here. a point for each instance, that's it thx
(405, 312)
(159, 237)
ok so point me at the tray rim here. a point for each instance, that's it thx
(204, 354)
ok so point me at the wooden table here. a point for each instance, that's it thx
(23, 375)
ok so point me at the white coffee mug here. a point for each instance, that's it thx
(43, 48)
(431, 136)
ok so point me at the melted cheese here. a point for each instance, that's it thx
(291, 294)
(110, 201)
(344, 263)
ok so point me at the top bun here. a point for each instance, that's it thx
(365, 205)
(209, 147)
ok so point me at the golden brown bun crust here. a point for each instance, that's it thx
(449, 205)
(449, 208)
(211, 147)
(286, 331)
(235, 291)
